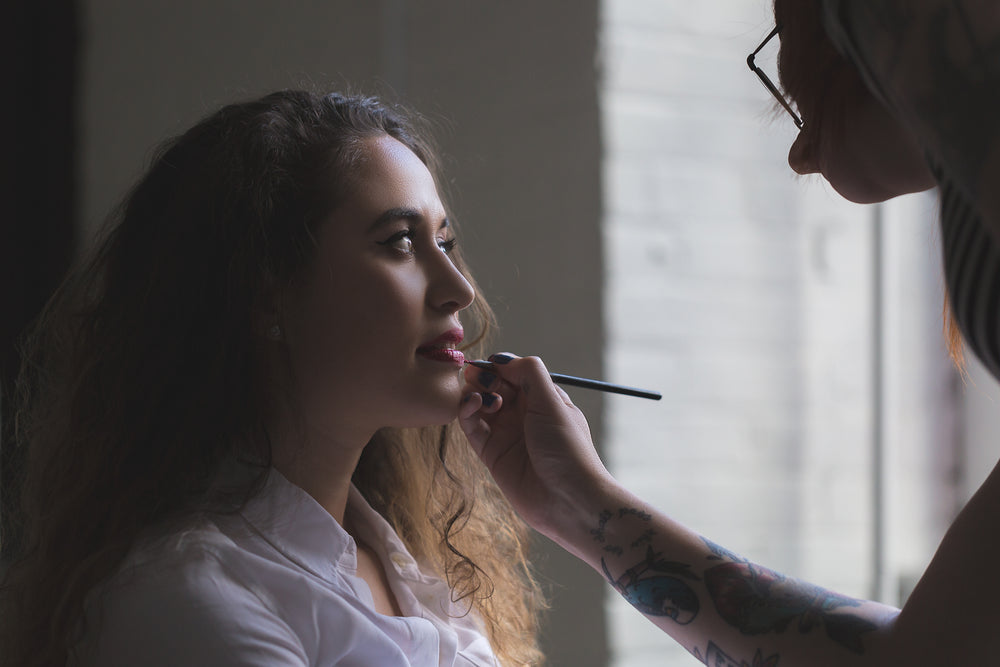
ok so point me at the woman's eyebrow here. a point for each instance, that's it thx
(393, 214)
(403, 213)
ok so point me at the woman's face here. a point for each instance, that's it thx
(372, 325)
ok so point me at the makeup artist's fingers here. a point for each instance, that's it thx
(536, 412)
(485, 403)
(530, 377)
(564, 396)
(483, 380)
(538, 447)
(476, 418)
(492, 402)
(471, 402)
(476, 429)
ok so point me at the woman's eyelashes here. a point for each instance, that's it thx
(404, 242)
(400, 241)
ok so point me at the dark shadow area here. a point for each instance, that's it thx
(39, 43)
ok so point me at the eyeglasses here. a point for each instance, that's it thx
(767, 81)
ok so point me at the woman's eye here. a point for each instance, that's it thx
(401, 241)
(448, 245)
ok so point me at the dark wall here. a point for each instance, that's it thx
(38, 43)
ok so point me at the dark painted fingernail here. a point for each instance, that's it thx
(466, 398)
(501, 358)
(486, 378)
(489, 399)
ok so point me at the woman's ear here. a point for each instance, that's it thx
(268, 327)
(267, 318)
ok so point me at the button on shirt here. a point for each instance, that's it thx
(277, 585)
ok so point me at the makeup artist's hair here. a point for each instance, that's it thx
(142, 379)
(807, 62)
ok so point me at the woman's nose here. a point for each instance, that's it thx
(449, 289)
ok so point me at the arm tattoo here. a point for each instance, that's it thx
(654, 585)
(756, 600)
(750, 598)
(715, 657)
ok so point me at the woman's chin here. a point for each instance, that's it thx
(437, 410)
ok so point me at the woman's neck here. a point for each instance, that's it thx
(320, 463)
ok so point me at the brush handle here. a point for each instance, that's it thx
(585, 383)
(558, 378)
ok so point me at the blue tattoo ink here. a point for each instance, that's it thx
(660, 594)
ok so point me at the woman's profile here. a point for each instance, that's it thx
(239, 416)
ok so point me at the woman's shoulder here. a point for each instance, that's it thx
(206, 560)
(181, 596)
(196, 546)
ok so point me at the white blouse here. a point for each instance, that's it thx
(277, 585)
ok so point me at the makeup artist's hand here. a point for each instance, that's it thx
(534, 441)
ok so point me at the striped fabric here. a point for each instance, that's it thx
(972, 273)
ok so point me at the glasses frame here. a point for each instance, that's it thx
(766, 80)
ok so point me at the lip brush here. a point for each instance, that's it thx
(572, 381)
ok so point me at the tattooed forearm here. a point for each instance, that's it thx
(752, 599)
(608, 515)
(654, 585)
(756, 600)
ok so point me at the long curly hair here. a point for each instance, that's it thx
(141, 380)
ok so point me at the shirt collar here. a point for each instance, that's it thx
(291, 521)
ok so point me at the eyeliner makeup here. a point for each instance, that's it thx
(572, 381)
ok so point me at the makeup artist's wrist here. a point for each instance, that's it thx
(576, 513)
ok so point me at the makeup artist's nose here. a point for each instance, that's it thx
(448, 288)
(802, 156)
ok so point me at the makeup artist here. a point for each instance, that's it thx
(891, 97)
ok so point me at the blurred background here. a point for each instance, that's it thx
(620, 178)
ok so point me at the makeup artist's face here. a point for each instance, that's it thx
(858, 146)
(372, 326)
(848, 135)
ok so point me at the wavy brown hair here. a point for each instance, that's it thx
(142, 378)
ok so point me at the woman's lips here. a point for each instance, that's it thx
(443, 349)
(443, 354)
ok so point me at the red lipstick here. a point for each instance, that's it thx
(443, 349)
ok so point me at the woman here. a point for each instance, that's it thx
(896, 96)
(234, 414)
